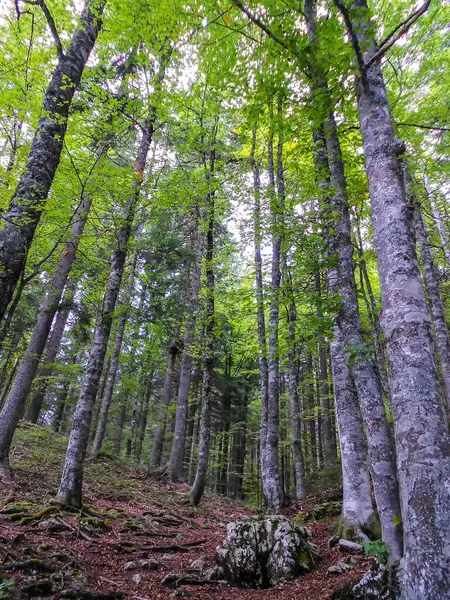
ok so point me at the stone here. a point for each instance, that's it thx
(149, 565)
(198, 565)
(213, 573)
(340, 567)
(136, 579)
(349, 547)
(379, 583)
(130, 566)
(265, 552)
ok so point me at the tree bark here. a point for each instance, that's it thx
(421, 429)
(27, 202)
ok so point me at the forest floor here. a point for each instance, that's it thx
(139, 529)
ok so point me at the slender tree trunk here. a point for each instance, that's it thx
(70, 489)
(300, 487)
(270, 473)
(328, 446)
(198, 487)
(432, 286)
(143, 419)
(15, 404)
(175, 464)
(120, 424)
(109, 385)
(262, 341)
(421, 429)
(158, 440)
(438, 222)
(51, 350)
(27, 202)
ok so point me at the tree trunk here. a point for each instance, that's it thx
(120, 425)
(330, 169)
(300, 487)
(380, 444)
(70, 489)
(109, 385)
(15, 404)
(199, 484)
(431, 279)
(27, 202)
(51, 350)
(270, 469)
(175, 465)
(158, 440)
(262, 341)
(421, 429)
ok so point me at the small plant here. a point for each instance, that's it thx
(4, 588)
(379, 549)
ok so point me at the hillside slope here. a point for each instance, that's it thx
(137, 529)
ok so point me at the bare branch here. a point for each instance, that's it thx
(355, 43)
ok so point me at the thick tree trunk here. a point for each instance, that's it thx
(27, 202)
(158, 440)
(15, 404)
(175, 465)
(330, 170)
(381, 452)
(421, 429)
(70, 489)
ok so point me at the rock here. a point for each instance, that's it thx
(149, 565)
(214, 573)
(171, 580)
(340, 567)
(376, 584)
(264, 552)
(379, 583)
(136, 579)
(130, 566)
(198, 565)
(349, 547)
(179, 594)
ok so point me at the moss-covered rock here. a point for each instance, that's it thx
(264, 552)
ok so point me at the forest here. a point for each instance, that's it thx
(225, 269)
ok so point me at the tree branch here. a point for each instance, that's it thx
(355, 43)
(254, 19)
(50, 22)
(431, 127)
(401, 28)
